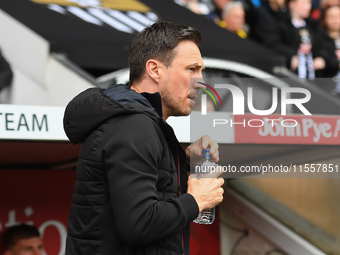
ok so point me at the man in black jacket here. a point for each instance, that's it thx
(132, 194)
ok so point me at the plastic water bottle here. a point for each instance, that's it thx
(203, 167)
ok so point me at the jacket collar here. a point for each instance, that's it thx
(124, 95)
(155, 101)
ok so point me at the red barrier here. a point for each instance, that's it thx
(43, 198)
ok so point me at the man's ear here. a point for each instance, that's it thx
(152, 69)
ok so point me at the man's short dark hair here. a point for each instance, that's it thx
(16, 233)
(158, 41)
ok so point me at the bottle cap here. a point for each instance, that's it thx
(206, 152)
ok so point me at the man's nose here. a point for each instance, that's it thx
(199, 75)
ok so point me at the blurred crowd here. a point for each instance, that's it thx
(305, 32)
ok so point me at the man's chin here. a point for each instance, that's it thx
(182, 113)
(187, 113)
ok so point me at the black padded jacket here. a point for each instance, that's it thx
(131, 178)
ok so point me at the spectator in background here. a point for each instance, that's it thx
(330, 22)
(22, 240)
(316, 13)
(275, 8)
(270, 12)
(297, 38)
(234, 18)
(6, 74)
(251, 14)
(216, 15)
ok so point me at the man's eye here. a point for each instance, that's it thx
(192, 69)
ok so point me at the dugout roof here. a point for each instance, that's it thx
(99, 36)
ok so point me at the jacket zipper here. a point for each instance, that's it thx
(179, 183)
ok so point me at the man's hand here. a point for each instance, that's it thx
(319, 63)
(194, 151)
(207, 191)
(294, 63)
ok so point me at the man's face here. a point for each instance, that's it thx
(177, 85)
(30, 246)
(301, 8)
(235, 19)
(332, 19)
